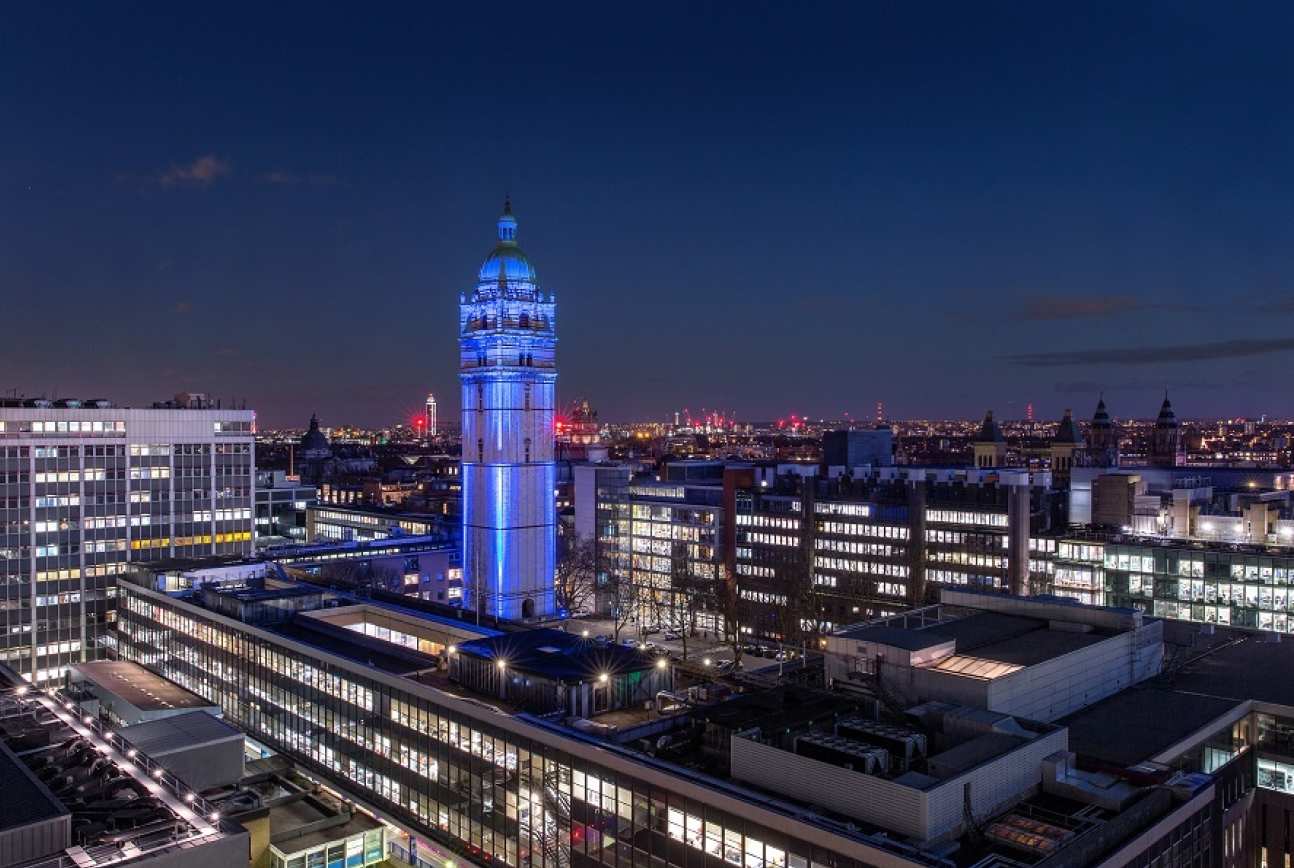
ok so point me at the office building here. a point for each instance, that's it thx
(281, 504)
(327, 522)
(85, 489)
(810, 554)
(508, 370)
(805, 553)
(1213, 545)
(496, 747)
(872, 447)
(470, 779)
(429, 417)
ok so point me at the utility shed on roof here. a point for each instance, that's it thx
(545, 670)
(201, 750)
(33, 824)
(131, 694)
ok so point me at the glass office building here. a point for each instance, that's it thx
(1240, 586)
(85, 488)
(494, 787)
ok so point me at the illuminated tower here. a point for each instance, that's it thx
(430, 421)
(507, 366)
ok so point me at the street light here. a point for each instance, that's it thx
(602, 677)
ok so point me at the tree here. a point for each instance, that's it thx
(575, 580)
(675, 610)
(734, 611)
(625, 598)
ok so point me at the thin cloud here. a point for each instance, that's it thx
(202, 172)
(1065, 307)
(1093, 387)
(279, 178)
(1155, 355)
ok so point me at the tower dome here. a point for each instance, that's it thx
(313, 442)
(506, 261)
(1067, 430)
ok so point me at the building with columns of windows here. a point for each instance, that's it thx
(85, 488)
(508, 370)
(429, 417)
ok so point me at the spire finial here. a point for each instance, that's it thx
(507, 223)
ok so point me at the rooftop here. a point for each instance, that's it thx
(558, 655)
(26, 799)
(125, 806)
(1136, 724)
(1013, 641)
(356, 824)
(192, 729)
(139, 687)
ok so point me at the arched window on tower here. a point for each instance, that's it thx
(527, 450)
(480, 397)
(524, 321)
(527, 396)
(480, 450)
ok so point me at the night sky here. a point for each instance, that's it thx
(766, 209)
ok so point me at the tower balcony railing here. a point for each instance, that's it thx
(522, 324)
(532, 364)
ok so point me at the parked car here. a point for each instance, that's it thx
(672, 636)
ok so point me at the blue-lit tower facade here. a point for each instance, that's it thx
(508, 369)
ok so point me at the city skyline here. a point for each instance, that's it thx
(1022, 208)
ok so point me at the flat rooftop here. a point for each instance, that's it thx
(26, 799)
(1244, 665)
(1136, 724)
(266, 589)
(171, 565)
(558, 655)
(1015, 641)
(355, 646)
(134, 684)
(1205, 678)
(192, 729)
(357, 824)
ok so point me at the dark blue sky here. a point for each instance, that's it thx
(767, 208)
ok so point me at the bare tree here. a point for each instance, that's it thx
(576, 576)
(734, 611)
(625, 598)
(676, 610)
